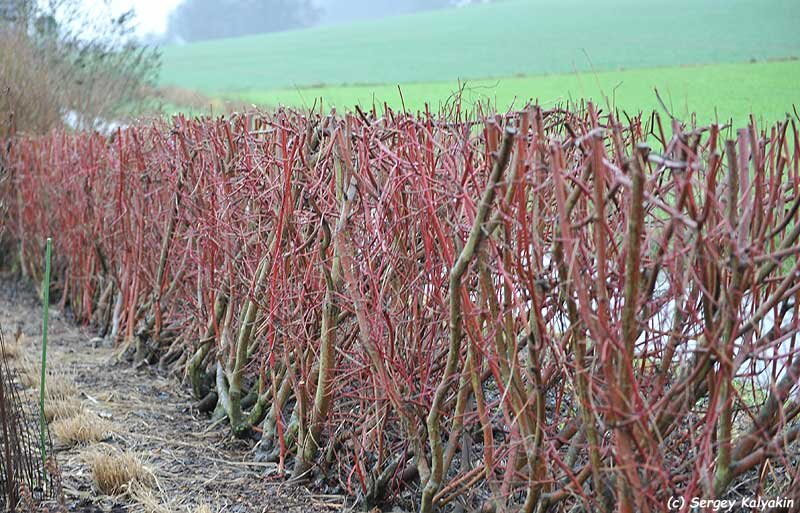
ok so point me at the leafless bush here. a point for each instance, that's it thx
(58, 62)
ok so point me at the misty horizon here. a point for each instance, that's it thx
(314, 13)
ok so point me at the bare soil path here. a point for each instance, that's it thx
(195, 463)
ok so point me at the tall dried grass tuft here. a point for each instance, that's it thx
(84, 428)
(115, 472)
(59, 387)
(61, 409)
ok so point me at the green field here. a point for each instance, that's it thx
(715, 92)
(697, 52)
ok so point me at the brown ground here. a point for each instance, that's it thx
(195, 462)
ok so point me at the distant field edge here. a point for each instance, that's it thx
(714, 92)
(497, 39)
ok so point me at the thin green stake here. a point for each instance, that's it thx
(46, 300)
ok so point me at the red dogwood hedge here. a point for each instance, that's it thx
(534, 310)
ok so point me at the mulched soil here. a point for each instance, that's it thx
(195, 462)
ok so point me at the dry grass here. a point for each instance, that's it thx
(29, 373)
(62, 409)
(181, 97)
(59, 387)
(147, 498)
(177, 97)
(84, 428)
(116, 472)
(13, 350)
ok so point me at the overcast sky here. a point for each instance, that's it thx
(151, 15)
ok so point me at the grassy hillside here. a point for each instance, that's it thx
(723, 90)
(506, 38)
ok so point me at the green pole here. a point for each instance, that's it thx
(46, 293)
